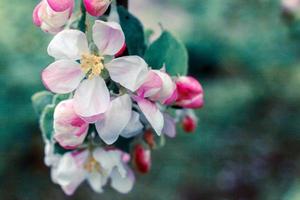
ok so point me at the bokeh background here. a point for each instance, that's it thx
(247, 56)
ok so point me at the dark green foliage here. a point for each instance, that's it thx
(168, 51)
(134, 32)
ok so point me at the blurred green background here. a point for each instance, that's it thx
(248, 142)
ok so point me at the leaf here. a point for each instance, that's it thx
(40, 100)
(148, 34)
(60, 97)
(169, 51)
(134, 32)
(46, 122)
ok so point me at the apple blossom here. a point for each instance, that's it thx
(96, 8)
(190, 92)
(66, 75)
(95, 166)
(52, 15)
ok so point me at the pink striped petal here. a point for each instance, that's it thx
(91, 98)
(151, 85)
(62, 76)
(108, 37)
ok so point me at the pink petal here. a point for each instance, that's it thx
(35, 16)
(108, 37)
(151, 85)
(152, 114)
(96, 8)
(62, 76)
(91, 98)
(61, 5)
(69, 129)
(169, 126)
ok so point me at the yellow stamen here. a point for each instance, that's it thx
(92, 65)
(92, 165)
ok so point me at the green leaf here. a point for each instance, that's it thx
(148, 35)
(46, 122)
(134, 32)
(40, 100)
(60, 97)
(169, 51)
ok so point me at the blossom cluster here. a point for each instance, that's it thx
(111, 97)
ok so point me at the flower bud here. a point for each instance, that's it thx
(149, 138)
(96, 8)
(190, 93)
(52, 15)
(69, 129)
(189, 124)
(142, 159)
(122, 51)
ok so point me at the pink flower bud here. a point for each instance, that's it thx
(142, 159)
(52, 15)
(189, 124)
(69, 129)
(96, 8)
(122, 50)
(190, 93)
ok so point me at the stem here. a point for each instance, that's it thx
(123, 3)
(82, 21)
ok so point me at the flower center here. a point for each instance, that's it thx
(92, 165)
(91, 65)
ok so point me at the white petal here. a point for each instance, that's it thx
(152, 114)
(134, 126)
(95, 181)
(68, 44)
(169, 126)
(122, 184)
(68, 174)
(107, 159)
(62, 76)
(91, 98)
(108, 37)
(115, 119)
(129, 71)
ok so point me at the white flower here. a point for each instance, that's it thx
(65, 75)
(97, 167)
